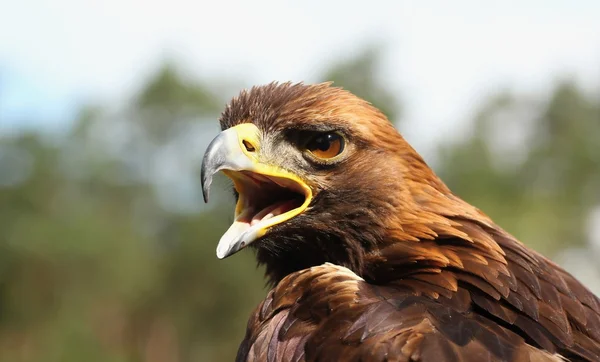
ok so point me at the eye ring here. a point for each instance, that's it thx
(326, 146)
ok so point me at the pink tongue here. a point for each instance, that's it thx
(273, 210)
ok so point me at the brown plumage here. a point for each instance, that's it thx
(386, 264)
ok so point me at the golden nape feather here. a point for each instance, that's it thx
(371, 257)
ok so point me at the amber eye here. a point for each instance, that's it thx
(326, 145)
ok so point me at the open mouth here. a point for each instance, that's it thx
(264, 197)
(264, 201)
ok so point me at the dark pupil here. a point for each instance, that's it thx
(324, 142)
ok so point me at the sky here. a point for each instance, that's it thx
(443, 57)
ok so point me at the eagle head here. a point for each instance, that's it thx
(319, 175)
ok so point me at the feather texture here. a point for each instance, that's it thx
(364, 322)
(388, 265)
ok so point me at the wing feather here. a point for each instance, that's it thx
(366, 322)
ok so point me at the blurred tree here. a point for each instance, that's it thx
(170, 99)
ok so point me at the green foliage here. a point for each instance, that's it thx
(169, 91)
(100, 262)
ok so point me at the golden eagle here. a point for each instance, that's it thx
(370, 255)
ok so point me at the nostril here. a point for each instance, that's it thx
(249, 146)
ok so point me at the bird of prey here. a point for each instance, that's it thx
(370, 256)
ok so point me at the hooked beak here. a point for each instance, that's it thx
(268, 195)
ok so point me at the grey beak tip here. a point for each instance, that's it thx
(206, 174)
(206, 181)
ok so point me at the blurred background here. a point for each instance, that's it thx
(107, 252)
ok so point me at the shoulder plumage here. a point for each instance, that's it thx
(328, 313)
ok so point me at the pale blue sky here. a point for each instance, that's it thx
(444, 56)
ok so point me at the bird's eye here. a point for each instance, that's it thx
(326, 145)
